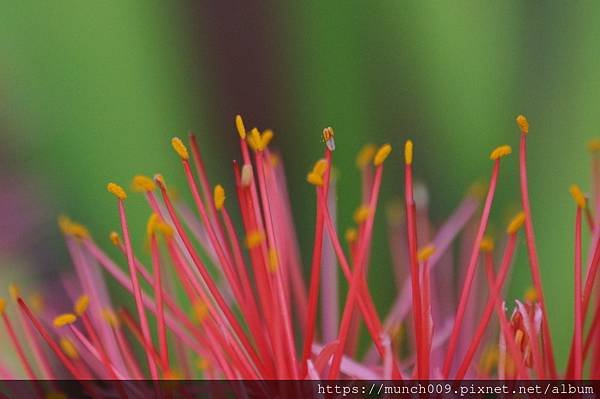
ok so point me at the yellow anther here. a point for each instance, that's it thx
(594, 145)
(69, 348)
(2, 306)
(180, 148)
(200, 310)
(142, 184)
(365, 156)
(219, 196)
(159, 179)
(361, 214)
(315, 179)
(247, 175)
(351, 235)
(110, 317)
(478, 190)
(117, 191)
(425, 253)
(254, 239)
(516, 223)
(114, 238)
(523, 124)
(64, 320)
(328, 138)
(500, 152)
(241, 129)
(266, 138)
(320, 167)
(487, 244)
(36, 302)
(151, 224)
(382, 153)
(273, 260)
(202, 364)
(255, 140)
(14, 291)
(71, 228)
(408, 152)
(531, 295)
(81, 305)
(155, 225)
(578, 196)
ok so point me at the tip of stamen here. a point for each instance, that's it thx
(315, 179)
(155, 225)
(328, 138)
(71, 228)
(425, 253)
(487, 244)
(219, 196)
(239, 125)
(594, 145)
(2, 306)
(64, 319)
(315, 176)
(14, 291)
(255, 140)
(254, 239)
(267, 137)
(273, 260)
(500, 152)
(68, 348)
(351, 235)
(578, 195)
(381, 155)
(365, 156)
(408, 152)
(361, 214)
(117, 191)
(81, 305)
(142, 184)
(523, 124)
(110, 317)
(516, 223)
(531, 295)
(247, 175)
(114, 238)
(180, 148)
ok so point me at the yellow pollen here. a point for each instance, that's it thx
(142, 184)
(114, 238)
(200, 310)
(81, 305)
(247, 175)
(382, 153)
(523, 124)
(69, 348)
(117, 191)
(487, 244)
(219, 196)
(255, 140)
(14, 291)
(578, 196)
(180, 148)
(64, 320)
(500, 152)
(425, 253)
(315, 179)
(110, 317)
(273, 260)
(36, 302)
(320, 167)
(361, 214)
(594, 145)
(155, 225)
(531, 295)
(254, 239)
(151, 224)
(71, 228)
(267, 136)
(351, 235)
(365, 156)
(408, 152)
(2, 305)
(241, 129)
(516, 223)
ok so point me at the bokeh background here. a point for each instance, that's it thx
(92, 91)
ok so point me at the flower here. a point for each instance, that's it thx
(248, 313)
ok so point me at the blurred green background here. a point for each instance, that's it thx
(92, 91)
